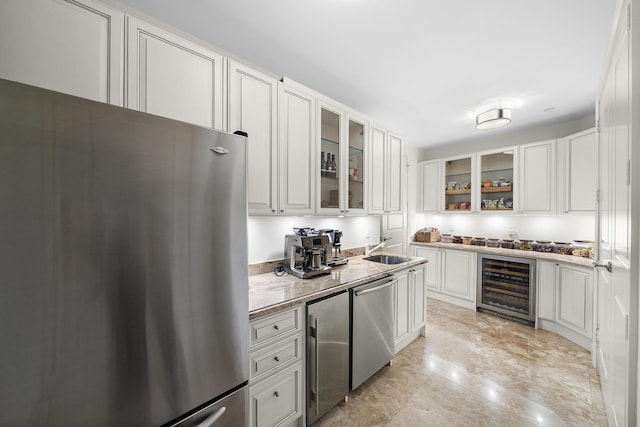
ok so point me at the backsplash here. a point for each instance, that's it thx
(269, 266)
(266, 234)
(554, 228)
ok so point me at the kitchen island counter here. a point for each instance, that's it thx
(269, 293)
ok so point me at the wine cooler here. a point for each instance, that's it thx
(507, 285)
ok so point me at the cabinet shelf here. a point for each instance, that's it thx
(329, 141)
(497, 189)
(465, 191)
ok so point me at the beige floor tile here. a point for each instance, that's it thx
(476, 369)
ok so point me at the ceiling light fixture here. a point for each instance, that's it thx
(494, 118)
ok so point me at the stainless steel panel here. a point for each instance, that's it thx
(230, 411)
(372, 345)
(123, 263)
(327, 354)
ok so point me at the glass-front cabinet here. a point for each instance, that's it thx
(330, 161)
(495, 175)
(356, 165)
(458, 180)
(342, 162)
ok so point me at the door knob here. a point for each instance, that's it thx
(608, 265)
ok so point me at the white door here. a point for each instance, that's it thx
(253, 108)
(394, 225)
(172, 77)
(614, 213)
(67, 46)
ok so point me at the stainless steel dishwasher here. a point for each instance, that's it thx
(327, 354)
(372, 342)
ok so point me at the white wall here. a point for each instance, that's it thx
(266, 234)
(559, 228)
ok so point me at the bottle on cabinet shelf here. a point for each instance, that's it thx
(323, 165)
(334, 169)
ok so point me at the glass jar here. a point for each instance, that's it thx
(507, 244)
(446, 238)
(479, 241)
(562, 248)
(493, 243)
(457, 239)
(525, 245)
(542, 246)
(583, 248)
(467, 240)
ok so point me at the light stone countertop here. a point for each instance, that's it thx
(570, 259)
(269, 293)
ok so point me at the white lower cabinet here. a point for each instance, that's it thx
(450, 275)
(565, 301)
(432, 275)
(276, 374)
(459, 277)
(279, 400)
(410, 306)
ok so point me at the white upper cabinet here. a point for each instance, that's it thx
(173, 77)
(376, 170)
(459, 187)
(495, 184)
(67, 46)
(357, 166)
(430, 186)
(295, 150)
(385, 172)
(579, 180)
(538, 178)
(342, 146)
(393, 182)
(253, 108)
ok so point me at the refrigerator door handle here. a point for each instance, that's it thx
(211, 419)
(317, 394)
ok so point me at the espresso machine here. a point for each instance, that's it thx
(306, 255)
(334, 239)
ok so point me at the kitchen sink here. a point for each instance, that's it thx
(386, 259)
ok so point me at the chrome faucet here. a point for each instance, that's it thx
(368, 250)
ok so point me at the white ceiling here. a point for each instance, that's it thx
(424, 68)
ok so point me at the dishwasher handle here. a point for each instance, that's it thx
(384, 283)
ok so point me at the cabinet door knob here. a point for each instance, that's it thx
(276, 394)
(273, 210)
(281, 210)
(277, 359)
(276, 327)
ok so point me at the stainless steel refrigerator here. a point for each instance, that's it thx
(123, 266)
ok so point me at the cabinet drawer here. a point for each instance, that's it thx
(278, 398)
(276, 325)
(275, 356)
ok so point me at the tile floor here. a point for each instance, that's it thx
(476, 369)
